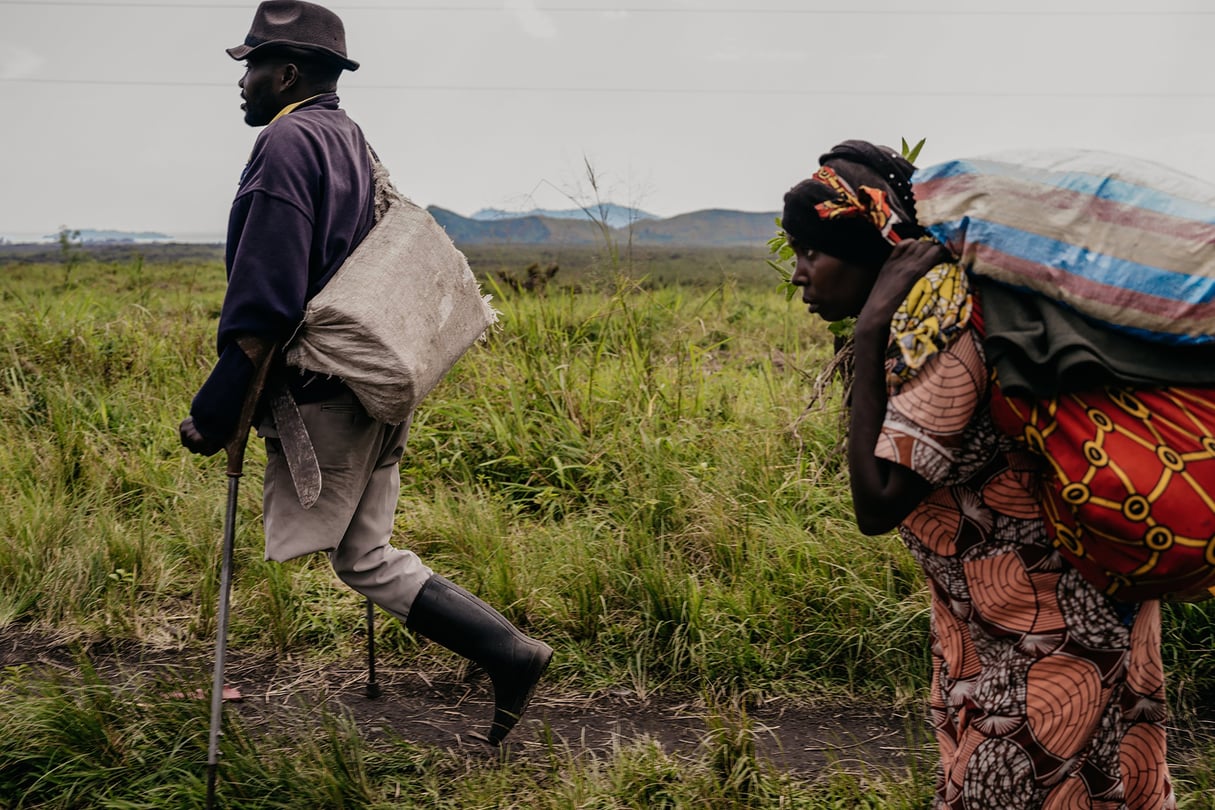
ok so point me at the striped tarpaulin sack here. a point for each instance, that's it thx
(1124, 242)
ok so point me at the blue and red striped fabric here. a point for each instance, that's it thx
(1124, 242)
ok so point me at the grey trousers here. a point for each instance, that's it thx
(352, 519)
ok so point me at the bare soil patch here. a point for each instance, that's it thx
(438, 709)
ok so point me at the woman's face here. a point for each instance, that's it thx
(832, 288)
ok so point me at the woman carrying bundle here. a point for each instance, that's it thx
(1046, 692)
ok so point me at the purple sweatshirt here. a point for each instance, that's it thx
(304, 203)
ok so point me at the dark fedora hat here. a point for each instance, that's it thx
(296, 24)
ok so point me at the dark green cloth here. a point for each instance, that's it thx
(1042, 348)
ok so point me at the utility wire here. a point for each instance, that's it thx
(692, 91)
(850, 12)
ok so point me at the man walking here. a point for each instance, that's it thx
(304, 202)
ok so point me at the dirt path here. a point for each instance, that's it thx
(799, 738)
(438, 709)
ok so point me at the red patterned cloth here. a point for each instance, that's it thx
(1128, 485)
(1130, 500)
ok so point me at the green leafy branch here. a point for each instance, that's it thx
(912, 152)
(785, 262)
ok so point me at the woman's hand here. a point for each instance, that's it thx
(908, 263)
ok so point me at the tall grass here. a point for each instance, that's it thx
(624, 468)
(615, 468)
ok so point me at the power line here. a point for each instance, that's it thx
(839, 12)
(693, 91)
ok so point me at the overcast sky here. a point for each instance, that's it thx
(125, 114)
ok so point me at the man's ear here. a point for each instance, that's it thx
(289, 76)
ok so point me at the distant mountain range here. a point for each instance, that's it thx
(712, 227)
(616, 216)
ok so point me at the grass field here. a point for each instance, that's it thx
(625, 468)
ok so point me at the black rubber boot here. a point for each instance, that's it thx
(447, 614)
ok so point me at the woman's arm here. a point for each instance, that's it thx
(883, 493)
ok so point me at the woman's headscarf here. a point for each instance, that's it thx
(856, 207)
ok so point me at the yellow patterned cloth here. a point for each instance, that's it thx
(935, 312)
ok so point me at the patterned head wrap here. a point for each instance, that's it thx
(856, 207)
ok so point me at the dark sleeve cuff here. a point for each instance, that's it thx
(216, 406)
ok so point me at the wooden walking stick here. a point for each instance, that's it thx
(261, 354)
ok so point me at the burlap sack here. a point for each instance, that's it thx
(397, 314)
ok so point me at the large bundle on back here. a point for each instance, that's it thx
(1127, 243)
(1085, 261)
